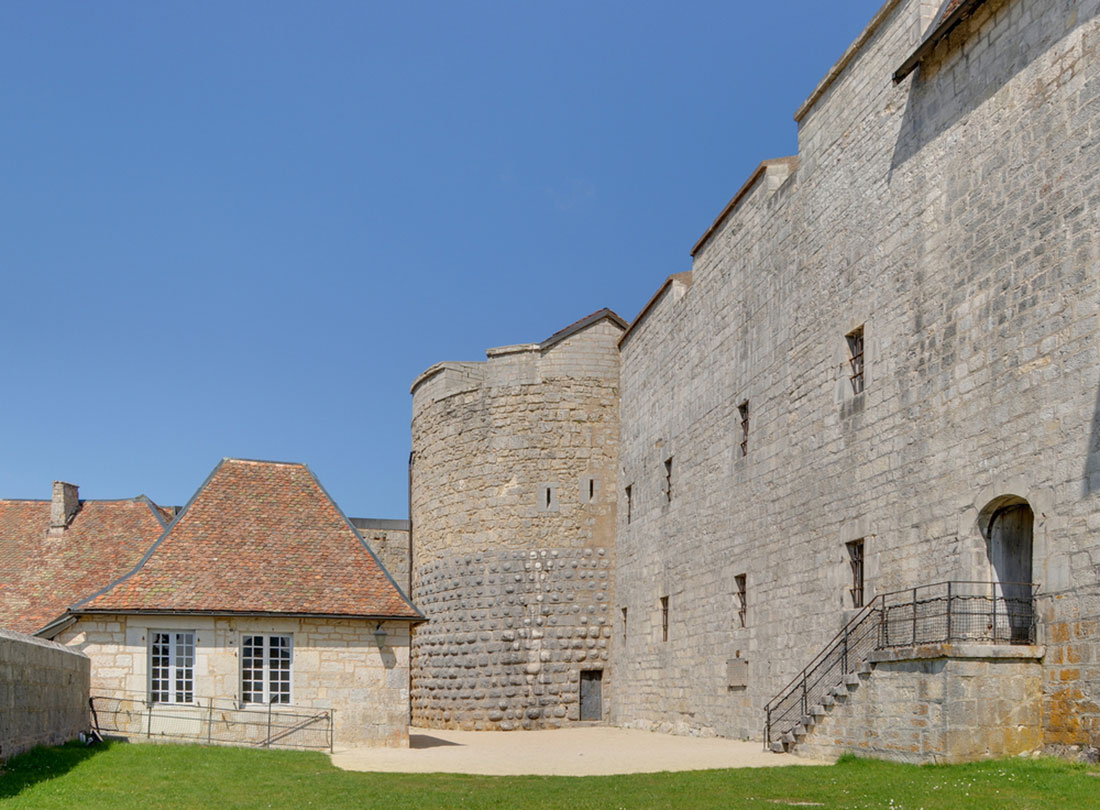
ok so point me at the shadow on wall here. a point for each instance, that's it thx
(1091, 479)
(42, 764)
(945, 89)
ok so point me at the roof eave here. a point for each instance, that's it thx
(237, 613)
(938, 35)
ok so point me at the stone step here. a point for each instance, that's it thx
(851, 680)
(778, 748)
(827, 701)
(789, 738)
(809, 721)
(799, 731)
(817, 710)
(864, 667)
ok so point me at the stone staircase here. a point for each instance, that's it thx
(835, 697)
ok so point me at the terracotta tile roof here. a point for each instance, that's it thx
(41, 575)
(259, 537)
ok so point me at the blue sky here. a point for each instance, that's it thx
(243, 228)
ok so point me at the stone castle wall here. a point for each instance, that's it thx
(43, 693)
(951, 216)
(513, 520)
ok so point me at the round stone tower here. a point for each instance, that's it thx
(512, 500)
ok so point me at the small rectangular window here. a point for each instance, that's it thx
(265, 669)
(629, 491)
(855, 359)
(171, 666)
(664, 618)
(740, 583)
(624, 625)
(743, 411)
(855, 560)
(668, 479)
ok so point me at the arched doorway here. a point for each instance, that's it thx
(1007, 523)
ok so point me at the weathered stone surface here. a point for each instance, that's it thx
(953, 217)
(513, 512)
(43, 693)
(337, 664)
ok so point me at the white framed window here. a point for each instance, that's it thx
(265, 668)
(172, 666)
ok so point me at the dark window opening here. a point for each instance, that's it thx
(629, 503)
(624, 624)
(743, 410)
(668, 479)
(741, 584)
(855, 560)
(664, 618)
(591, 489)
(855, 359)
(548, 497)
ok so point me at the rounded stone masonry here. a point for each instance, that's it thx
(512, 500)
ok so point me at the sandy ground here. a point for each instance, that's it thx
(564, 752)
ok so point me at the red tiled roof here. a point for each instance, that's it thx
(41, 575)
(259, 537)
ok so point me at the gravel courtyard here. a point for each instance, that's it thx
(585, 751)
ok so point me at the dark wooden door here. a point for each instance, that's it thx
(591, 694)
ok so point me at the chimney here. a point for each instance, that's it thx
(63, 506)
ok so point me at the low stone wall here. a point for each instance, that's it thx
(938, 703)
(43, 693)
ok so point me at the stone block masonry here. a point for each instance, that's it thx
(513, 523)
(943, 703)
(510, 634)
(952, 218)
(43, 693)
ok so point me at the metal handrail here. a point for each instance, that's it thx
(214, 720)
(1007, 615)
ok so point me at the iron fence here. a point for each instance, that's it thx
(981, 612)
(212, 721)
(991, 613)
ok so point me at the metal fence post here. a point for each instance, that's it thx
(209, 719)
(993, 614)
(948, 638)
(914, 617)
(768, 728)
(331, 729)
(805, 704)
(149, 722)
(267, 742)
(844, 653)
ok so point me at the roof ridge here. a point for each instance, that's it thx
(156, 544)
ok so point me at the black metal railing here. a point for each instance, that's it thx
(984, 612)
(213, 721)
(981, 612)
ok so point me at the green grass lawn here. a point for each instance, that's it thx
(119, 775)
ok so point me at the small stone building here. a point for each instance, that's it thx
(258, 596)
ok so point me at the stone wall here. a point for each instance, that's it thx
(43, 693)
(389, 539)
(945, 703)
(952, 217)
(337, 664)
(510, 633)
(513, 520)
